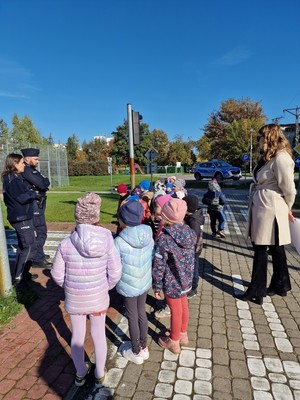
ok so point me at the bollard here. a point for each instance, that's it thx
(5, 278)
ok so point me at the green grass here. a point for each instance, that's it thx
(11, 305)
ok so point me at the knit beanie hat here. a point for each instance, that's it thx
(192, 202)
(145, 184)
(174, 210)
(122, 188)
(87, 209)
(159, 193)
(178, 184)
(172, 177)
(131, 213)
(159, 186)
(214, 186)
(161, 200)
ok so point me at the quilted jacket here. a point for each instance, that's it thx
(87, 265)
(135, 245)
(174, 260)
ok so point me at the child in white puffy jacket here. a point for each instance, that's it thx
(87, 265)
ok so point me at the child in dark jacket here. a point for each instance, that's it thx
(215, 200)
(195, 219)
(172, 271)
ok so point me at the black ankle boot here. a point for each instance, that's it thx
(249, 297)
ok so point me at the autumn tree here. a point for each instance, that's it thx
(229, 129)
(72, 147)
(159, 141)
(180, 151)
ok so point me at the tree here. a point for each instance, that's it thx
(120, 147)
(180, 151)
(160, 142)
(204, 148)
(72, 147)
(97, 149)
(228, 129)
(23, 131)
(4, 132)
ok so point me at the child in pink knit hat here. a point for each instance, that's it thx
(172, 271)
(87, 265)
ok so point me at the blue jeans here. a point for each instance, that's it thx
(214, 217)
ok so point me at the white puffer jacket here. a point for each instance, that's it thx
(87, 265)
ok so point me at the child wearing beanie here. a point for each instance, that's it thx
(195, 219)
(215, 201)
(173, 271)
(87, 265)
(135, 245)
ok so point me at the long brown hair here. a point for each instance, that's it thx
(10, 164)
(274, 141)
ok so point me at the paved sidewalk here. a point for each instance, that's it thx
(237, 350)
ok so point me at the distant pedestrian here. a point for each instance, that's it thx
(173, 271)
(40, 184)
(135, 245)
(195, 219)
(19, 200)
(215, 200)
(87, 265)
(271, 198)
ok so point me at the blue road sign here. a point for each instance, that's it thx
(245, 157)
(297, 161)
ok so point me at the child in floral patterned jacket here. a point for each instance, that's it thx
(172, 271)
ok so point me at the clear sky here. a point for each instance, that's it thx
(73, 65)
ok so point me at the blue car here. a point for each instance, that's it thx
(217, 169)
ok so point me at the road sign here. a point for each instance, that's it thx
(245, 157)
(152, 168)
(297, 162)
(297, 148)
(151, 154)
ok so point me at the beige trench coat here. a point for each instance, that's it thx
(271, 197)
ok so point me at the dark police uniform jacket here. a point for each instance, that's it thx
(17, 198)
(39, 183)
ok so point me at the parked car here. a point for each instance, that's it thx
(216, 169)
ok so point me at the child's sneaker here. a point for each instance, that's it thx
(145, 353)
(80, 380)
(135, 358)
(222, 234)
(191, 293)
(167, 343)
(163, 312)
(99, 382)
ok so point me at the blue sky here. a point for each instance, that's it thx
(73, 65)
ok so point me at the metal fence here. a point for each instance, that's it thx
(53, 160)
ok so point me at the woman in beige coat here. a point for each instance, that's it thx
(271, 198)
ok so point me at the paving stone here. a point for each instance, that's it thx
(276, 327)
(202, 362)
(170, 365)
(163, 390)
(260, 383)
(260, 395)
(292, 369)
(187, 358)
(250, 345)
(201, 397)
(181, 397)
(126, 389)
(283, 345)
(251, 337)
(256, 367)
(246, 330)
(185, 373)
(184, 387)
(202, 387)
(241, 389)
(113, 377)
(273, 364)
(277, 378)
(203, 374)
(166, 376)
(169, 356)
(281, 392)
(203, 353)
(279, 334)
(246, 323)
(295, 384)
(245, 314)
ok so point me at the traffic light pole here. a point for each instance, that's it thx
(296, 114)
(131, 147)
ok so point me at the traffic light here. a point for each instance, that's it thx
(137, 130)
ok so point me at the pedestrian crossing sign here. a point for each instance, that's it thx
(297, 148)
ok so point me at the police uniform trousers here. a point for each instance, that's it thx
(40, 226)
(26, 247)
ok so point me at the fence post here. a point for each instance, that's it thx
(5, 278)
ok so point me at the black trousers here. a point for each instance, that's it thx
(26, 247)
(40, 226)
(280, 281)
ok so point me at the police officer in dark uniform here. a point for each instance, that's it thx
(40, 184)
(19, 202)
